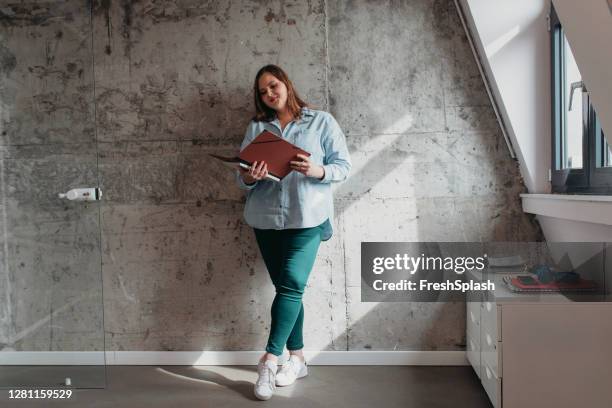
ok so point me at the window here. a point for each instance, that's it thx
(581, 156)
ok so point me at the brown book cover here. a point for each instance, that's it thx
(275, 151)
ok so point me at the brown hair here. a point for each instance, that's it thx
(294, 102)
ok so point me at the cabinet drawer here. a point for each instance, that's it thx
(473, 332)
(492, 385)
(490, 320)
(492, 357)
(473, 356)
(473, 335)
(473, 312)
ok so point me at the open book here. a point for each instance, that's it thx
(275, 151)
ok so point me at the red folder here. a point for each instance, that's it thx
(275, 151)
(582, 284)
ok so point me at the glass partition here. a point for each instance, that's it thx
(51, 303)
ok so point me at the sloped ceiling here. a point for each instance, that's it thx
(588, 27)
(513, 45)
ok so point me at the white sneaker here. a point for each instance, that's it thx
(266, 382)
(293, 369)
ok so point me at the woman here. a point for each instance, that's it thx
(290, 218)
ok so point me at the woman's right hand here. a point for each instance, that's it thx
(258, 171)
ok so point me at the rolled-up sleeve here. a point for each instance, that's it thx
(249, 135)
(337, 162)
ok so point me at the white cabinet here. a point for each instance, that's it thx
(473, 334)
(541, 350)
(490, 337)
(483, 346)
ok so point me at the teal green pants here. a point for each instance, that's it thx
(289, 256)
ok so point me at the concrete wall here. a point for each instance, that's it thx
(181, 270)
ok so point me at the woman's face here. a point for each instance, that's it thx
(273, 92)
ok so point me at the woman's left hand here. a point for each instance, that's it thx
(305, 166)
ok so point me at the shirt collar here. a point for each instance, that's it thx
(307, 111)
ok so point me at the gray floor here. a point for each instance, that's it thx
(326, 386)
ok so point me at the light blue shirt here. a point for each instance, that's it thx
(298, 201)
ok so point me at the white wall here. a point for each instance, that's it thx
(588, 28)
(512, 35)
(560, 230)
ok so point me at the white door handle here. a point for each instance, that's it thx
(83, 194)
